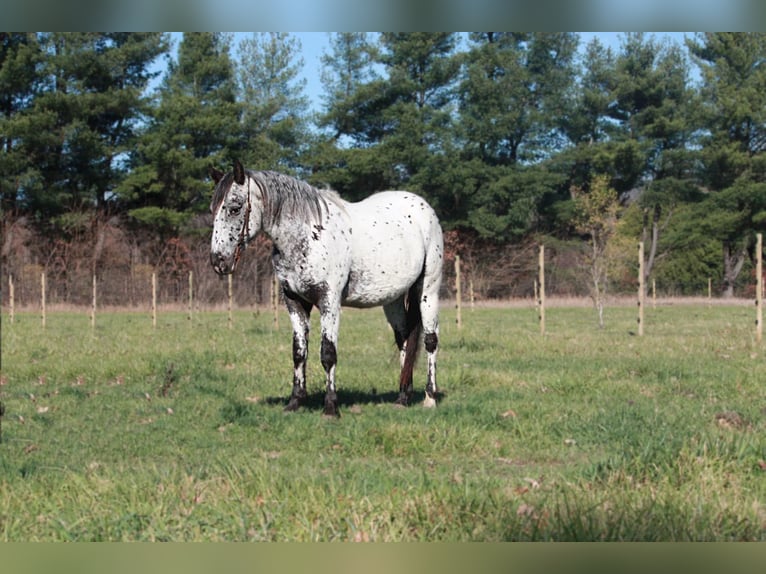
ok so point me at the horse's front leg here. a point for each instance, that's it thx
(329, 322)
(300, 312)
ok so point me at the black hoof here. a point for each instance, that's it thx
(331, 410)
(403, 400)
(293, 405)
(331, 406)
(296, 399)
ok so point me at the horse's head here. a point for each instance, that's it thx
(233, 218)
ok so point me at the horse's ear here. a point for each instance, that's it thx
(215, 174)
(239, 173)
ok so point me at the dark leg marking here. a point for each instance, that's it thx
(329, 357)
(300, 352)
(302, 311)
(431, 341)
(299, 394)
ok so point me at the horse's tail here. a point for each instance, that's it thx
(414, 327)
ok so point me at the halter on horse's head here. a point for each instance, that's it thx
(231, 208)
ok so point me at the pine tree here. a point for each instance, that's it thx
(417, 129)
(733, 67)
(389, 115)
(513, 104)
(275, 106)
(20, 56)
(346, 69)
(194, 124)
(77, 117)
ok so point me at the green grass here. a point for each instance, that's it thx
(131, 433)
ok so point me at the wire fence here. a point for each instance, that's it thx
(142, 287)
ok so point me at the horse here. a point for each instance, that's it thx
(386, 250)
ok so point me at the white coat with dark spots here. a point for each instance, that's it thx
(386, 250)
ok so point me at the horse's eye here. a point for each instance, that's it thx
(234, 210)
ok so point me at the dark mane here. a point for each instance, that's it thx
(221, 189)
(285, 196)
(282, 196)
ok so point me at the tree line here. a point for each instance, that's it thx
(107, 139)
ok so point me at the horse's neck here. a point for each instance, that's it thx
(283, 231)
(287, 230)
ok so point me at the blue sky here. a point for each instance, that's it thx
(314, 43)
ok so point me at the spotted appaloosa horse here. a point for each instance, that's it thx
(386, 250)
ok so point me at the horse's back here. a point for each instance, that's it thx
(392, 234)
(396, 215)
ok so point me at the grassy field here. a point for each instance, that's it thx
(177, 433)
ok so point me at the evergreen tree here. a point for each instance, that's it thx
(586, 120)
(275, 107)
(513, 95)
(78, 115)
(417, 141)
(346, 69)
(733, 67)
(393, 130)
(654, 106)
(194, 124)
(20, 82)
(344, 156)
(513, 104)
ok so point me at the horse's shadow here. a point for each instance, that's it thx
(348, 398)
(238, 410)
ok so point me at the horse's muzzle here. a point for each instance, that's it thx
(221, 264)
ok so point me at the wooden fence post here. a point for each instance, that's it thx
(458, 294)
(191, 295)
(541, 288)
(759, 287)
(641, 290)
(93, 305)
(11, 298)
(154, 300)
(231, 296)
(42, 298)
(709, 291)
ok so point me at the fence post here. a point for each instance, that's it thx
(759, 287)
(709, 291)
(154, 300)
(11, 296)
(458, 293)
(42, 298)
(231, 319)
(641, 290)
(191, 295)
(541, 287)
(93, 305)
(654, 293)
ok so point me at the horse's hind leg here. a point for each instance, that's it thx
(429, 311)
(396, 315)
(299, 317)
